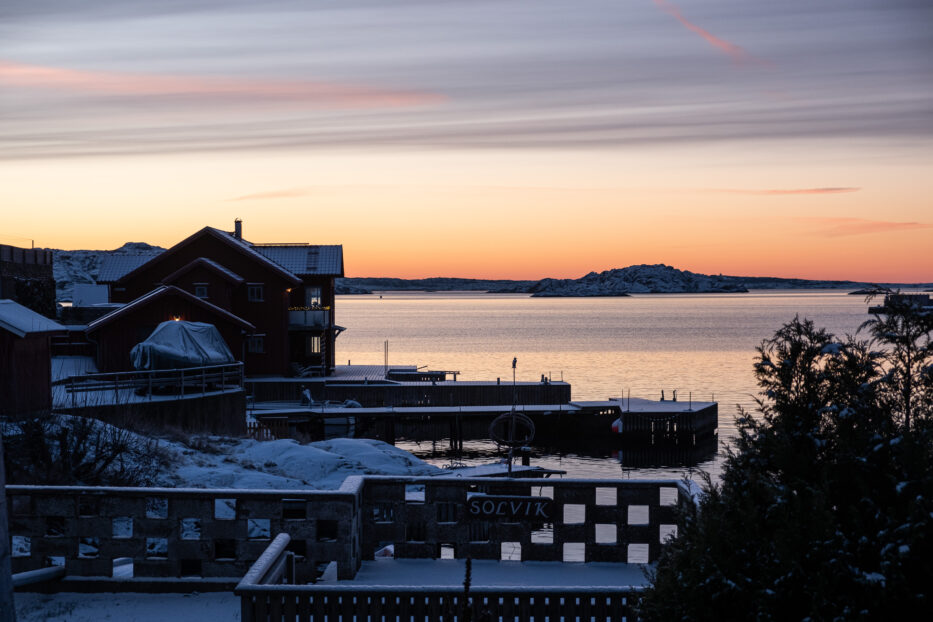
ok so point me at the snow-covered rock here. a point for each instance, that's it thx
(83, 266)
(642, 279)
(284, 464)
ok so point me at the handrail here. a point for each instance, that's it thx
(109, 376)
(259, 571)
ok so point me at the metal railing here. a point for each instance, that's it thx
(124, 387)
(267, 592)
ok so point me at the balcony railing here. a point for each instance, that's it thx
(311, 318)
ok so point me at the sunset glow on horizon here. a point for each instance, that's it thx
(481, 140)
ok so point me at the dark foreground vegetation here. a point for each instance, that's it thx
(825, 508)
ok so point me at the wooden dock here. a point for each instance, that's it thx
(585, 421)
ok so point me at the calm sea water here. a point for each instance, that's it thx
(700, 345)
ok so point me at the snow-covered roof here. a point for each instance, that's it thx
(22, 321)
(113, 267)
(306, 259)
(168, 290)
(231, 241)
(248, 249)
(207, 263)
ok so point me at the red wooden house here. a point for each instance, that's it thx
(25, 360)
(280, 297)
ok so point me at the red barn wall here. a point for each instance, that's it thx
(25, 374)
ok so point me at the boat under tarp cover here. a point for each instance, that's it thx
(175, 344)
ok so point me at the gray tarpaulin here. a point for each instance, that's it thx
(181, 344)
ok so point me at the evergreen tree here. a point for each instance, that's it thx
(825, 508)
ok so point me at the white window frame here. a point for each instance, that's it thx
(252, 288)
(251, 342)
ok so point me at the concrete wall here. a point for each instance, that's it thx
(220, 533)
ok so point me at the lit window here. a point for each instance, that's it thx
(314, 344)
(256, 344)
(312, 296)
(254, 292)
(200, 290)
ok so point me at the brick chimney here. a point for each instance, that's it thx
(238, 229)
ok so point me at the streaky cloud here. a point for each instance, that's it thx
(290, 193)
(307, 93)
(736, 53)
(839, 227)
(783, 191)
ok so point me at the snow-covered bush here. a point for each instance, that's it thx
(825, 508)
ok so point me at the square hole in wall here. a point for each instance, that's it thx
(637, 554)
(189, 568)
(668, 495)
(544, 535)
(156, 548)
(414, 493)
(225, 509)
(20, 505)
(88, 506)
(574, 552)
(22, 546)
(574, 513)
(121, 527)
(383, 512)
(122, 568)
(54, 527)
(298, 547)
(446, 551)
(189, 529)
(606, 533)
(667, 531)
(224, 548)
(55, 561)
(638, 515)
(327, 531)
(294, 509)
(510, 551)
(156, 507)
(88, 548)
(606, 495)
(260, 529)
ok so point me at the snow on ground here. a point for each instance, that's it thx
(289, 464)
(219, 462)
(69, 607)
(284, 464)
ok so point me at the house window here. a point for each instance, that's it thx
(200, 290)
(254, 292)
(256, 344)
(314, 344)
(312, 296)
